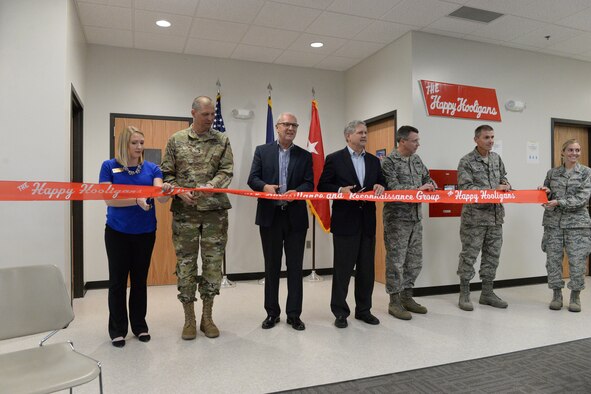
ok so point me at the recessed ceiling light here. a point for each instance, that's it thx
(317, 45)
(163, 23)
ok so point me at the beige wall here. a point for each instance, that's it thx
(37, 66)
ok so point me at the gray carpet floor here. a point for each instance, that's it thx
(561, 368)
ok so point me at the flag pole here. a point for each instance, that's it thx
(313, 277)
(269, 89)
(225, 283)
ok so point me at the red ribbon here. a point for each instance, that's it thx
(67, 191)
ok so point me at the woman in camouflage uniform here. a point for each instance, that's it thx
(567, 224)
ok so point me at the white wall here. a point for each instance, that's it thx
(382, 83)
(34, 108)
(153, 83)
(75, 53)
(551, 86)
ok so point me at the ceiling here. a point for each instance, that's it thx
(280, 31)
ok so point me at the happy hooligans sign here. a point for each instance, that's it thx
(460, 101)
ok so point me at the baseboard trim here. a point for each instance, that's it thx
(418, 291)
(450, 289)
(99, 284)
(104, 284)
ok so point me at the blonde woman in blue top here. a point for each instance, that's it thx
(130, 234)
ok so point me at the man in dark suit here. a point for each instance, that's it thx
(353, 223)
(282, 167)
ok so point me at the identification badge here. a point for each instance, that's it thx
(117, 170)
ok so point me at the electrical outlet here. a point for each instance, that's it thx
(308, 244)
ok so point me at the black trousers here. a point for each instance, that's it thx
(129, 255)
(275, 238)
(353, 252)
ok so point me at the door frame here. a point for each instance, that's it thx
(387, 115)
(115, 115)
(380, 252)
(76, 207)
(567, 122)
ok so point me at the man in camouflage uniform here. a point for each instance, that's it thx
(199, 156)
(567, 224)
(481, 228)
(403, 231)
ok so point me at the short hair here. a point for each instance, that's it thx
(352, 126)
(284, 114)
(200, 101)
(404, 132)
(122, 152)
(569, 143)
(482, 128)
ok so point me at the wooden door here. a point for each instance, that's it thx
(380, 142)
(157, 131)
(563, 133)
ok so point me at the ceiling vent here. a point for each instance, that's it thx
(475, 14)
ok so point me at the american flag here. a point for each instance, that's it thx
(218, 122)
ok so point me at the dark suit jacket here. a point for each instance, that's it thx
(300, 177)
(349, 217)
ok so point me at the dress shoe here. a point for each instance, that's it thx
(144, 337)
(341, 322)
(369, 319)
(270, 322)
(296, 323)
(118, 342)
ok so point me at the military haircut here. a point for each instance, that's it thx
(352, 126)
(404, 131)
(200, 101)
(482, 128)
(122, 151)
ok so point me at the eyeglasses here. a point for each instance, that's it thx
(288, 125)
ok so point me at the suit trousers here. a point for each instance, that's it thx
(275, 239)
(128, 255)
(353, 251)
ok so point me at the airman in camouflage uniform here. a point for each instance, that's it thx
(481, 226)
(195, 157)
(403, 230)
(567, 224)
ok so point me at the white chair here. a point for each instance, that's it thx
(34, 300)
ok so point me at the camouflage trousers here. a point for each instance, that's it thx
(489, 240)
(577, 242)
(404, 254)
(208, 229)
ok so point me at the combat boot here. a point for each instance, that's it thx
(464, 303)
(575, 303)
(190, 327)
(488, 297)
(556, 303)
(396, 309)
(207, 325)
(409, 304)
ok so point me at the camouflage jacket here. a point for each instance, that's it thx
(475, 174)
(193, 160)
(404, 173)
(572, 190)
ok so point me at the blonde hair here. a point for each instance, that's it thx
(122, 151)
(569, 143)
(566, 144)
